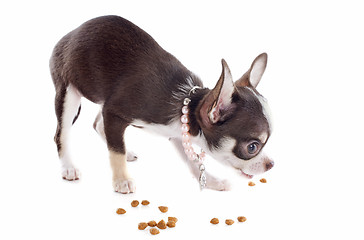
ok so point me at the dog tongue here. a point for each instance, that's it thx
(246, 175)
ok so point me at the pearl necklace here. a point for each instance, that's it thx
(186, 142)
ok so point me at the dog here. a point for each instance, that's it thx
(112, 62)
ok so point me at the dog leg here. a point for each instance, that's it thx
(121, 179)
(99, 125)
(67, 104)
(114, 129)
(211, 181)
(100, 129)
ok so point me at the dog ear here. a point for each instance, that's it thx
(217, 103)
(254, 74)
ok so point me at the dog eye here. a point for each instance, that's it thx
(247, 150)
(253, 148)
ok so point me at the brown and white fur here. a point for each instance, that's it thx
(112, 62)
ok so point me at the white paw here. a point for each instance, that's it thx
(124, 185)
(131, 156)
(70, 173)
(217, 184)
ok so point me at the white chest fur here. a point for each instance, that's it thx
(171, 130)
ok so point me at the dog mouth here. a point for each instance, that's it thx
(246, 175)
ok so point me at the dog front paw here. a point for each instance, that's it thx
(217, 184)
(124, 186)
(70, 173)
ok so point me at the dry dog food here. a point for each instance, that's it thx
(214, 221)
(152, 223)
(120, 211)
(251, 184)
(229, 221)
(134, 203)
(171, 224)
(162, 224)
(172, 219)
(163, 209)
(154, 226)
(241, 219)
(154, 231)
(263, 180)
(142, 225)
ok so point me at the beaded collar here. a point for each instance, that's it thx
(186, 142)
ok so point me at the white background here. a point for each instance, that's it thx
(313, 83)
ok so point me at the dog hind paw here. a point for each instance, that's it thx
(131, 156)
(124, 186)
(70, 173)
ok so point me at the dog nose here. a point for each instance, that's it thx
(269, 165)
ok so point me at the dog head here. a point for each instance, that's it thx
(235, 120)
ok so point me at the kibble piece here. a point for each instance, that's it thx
(152, 223)
(154, 231)
(162, 224)
(251, 184)
(163, 209)
(214, 221)
(229, 221)
(263, 180)
(134, 203)
(145, 202)
(241, 219)
(171, 224)
(142, 226)
(172, 219)
(120, 211)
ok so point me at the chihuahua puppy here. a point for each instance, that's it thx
(113, 63)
